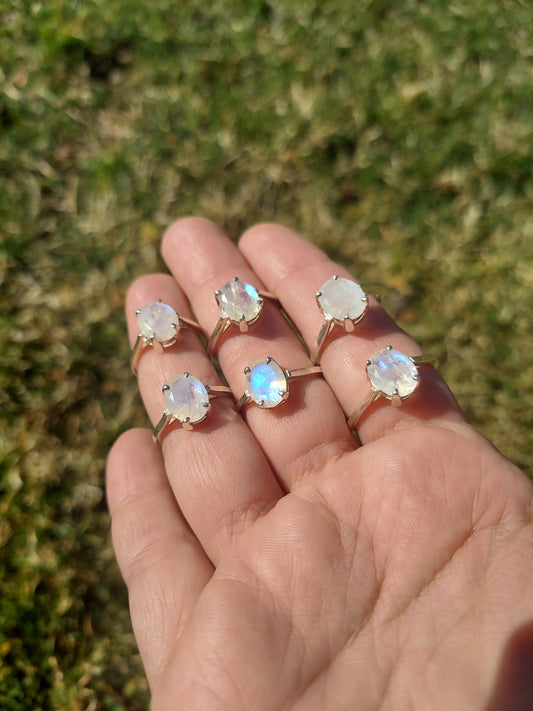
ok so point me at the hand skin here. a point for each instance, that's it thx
(271, 563)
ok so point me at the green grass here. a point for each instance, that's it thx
(397, 136)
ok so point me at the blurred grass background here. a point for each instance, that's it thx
(397, 136)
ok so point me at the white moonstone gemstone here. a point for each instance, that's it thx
(186, 398)
(340, 298)
(158, 321)
(392, 372)
(237, 298)
(266, 383)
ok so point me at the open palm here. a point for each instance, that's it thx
(274, 564)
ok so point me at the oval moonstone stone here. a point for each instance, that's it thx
(266, 383)
(237, 299)
(392, 372)
(186, 398)
(341, 298)
(158, 321)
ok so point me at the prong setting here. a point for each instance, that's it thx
(268, 384)
(343, 303)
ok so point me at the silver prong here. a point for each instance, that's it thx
(268, 359)
(318, 294)
(243, 324)
(247, 370)
(235, 278)
(389, 348)
(218, 292)
(205, 404)
(261, 403)
(335, 276)
(260, 301)
(159, 301)
(282, 393)
(137, 311)
(416, 376)
(348, 324)
(395, 391)
(369, 362)
(185, 375)
(365, 299)
(165, 387)
(174, 325)
(396, 400)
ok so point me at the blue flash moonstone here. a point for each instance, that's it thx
(251, 291)
(265, 383)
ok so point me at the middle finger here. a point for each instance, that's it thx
(309, 430)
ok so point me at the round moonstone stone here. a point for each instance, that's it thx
(237, 298)
(186, 398)
(391, 371)
(265, 381)
(158, 321)
(340, 298)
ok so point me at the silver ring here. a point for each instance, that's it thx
(240, 305)
(268, 383)
(159, 327)
(187, 401)
(393, 376)
(343, 303)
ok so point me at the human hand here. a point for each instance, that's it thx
(273, 564)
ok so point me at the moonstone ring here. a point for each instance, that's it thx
(268, 384)
(187, 401)
(393, 375)
(343, 303)
(159, 326)
(240, 305)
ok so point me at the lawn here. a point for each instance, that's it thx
(397, 136)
